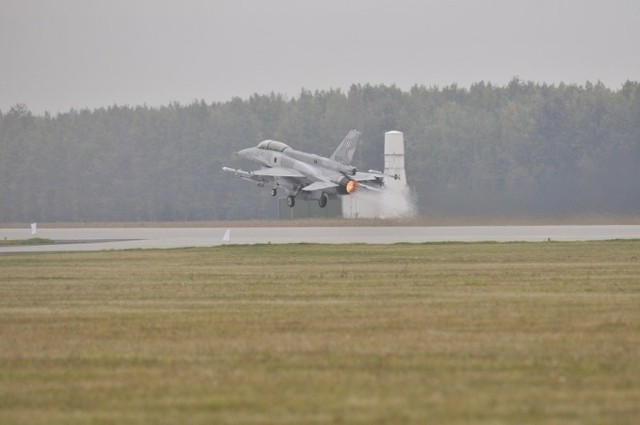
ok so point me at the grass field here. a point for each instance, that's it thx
(435, 333)
(32, 241)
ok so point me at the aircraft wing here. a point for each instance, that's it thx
(278, 172)
(260, 177)
(319, 186)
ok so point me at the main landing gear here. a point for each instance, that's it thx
(322, 202)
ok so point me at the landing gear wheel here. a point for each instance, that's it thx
(291, 201)
(322, 202)
(274, 192)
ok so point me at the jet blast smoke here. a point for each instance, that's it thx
(397, 202)
(394, 201)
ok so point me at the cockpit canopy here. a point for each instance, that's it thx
(273, 145)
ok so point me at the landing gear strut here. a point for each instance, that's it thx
(291, 201)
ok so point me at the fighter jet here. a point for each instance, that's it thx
(308, 176)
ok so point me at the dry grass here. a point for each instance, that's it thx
(436, 333)
(31, 241)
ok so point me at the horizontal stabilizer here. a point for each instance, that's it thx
(367, 177)
(370, 188)
(381, 174)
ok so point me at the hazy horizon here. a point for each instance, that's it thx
(59, 55)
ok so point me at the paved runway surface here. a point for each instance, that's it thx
(96, 239)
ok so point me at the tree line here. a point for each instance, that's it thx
(522, 149)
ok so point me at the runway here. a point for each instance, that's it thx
(98, 239)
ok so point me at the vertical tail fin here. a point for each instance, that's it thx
(344, 153)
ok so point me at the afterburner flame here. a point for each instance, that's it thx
(352, 186)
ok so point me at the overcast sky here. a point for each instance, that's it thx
(63, 54)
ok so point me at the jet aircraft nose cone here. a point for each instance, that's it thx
(242, 153)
